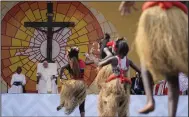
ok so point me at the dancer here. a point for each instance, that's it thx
(76, 69)
(125, 7)
(115, 51)
(104, 51)
(110, 50)
(111, 100)
(103, 48)
(114, 94)
(114, 46)
(120, 63)
(162, 46)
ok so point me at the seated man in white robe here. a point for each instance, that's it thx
(17, 82)
(47, 77)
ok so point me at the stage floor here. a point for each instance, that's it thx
(45, 105)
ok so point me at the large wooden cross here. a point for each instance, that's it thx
(50, 25)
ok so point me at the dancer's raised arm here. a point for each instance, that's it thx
(108, 53)
(126, 6)
(111, 60)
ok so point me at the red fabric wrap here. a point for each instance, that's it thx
(82, 67)
(121, 77)
(165, 5)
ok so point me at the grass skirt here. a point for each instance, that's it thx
(73, 93)
(162, 41)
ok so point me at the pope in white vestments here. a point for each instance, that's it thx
(17, 82)
(46, 78)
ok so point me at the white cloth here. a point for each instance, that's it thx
(17, 78)
(136, 86)
(183, 82)
(46, 81)
(123, 63)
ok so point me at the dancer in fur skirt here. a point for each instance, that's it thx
(162, 46)
(115, 91)
(73, 91)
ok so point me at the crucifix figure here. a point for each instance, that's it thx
(50, 25)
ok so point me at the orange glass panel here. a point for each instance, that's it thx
(34, 6)
(5, 41)
(65, 6)
(25, 6)
(5, 54)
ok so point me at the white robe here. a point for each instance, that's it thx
(46, 83)
(183, 82)
(17, 78)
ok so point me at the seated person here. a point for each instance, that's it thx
(105, 52)
(47, 78)
(137, 85)
(17, 82)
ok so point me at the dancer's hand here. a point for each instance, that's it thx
(125, 7)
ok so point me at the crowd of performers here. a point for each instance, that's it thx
(162, 45)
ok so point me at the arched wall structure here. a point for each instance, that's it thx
(25, 47)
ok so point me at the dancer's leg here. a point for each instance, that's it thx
(173, 94)
(100, 105)
(148, 87)
(123, 108)
(107, 103)
(82, 109)
(60, 107)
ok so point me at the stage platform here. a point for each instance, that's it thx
(45, 105)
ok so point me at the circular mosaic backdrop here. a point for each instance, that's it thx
(26, 47)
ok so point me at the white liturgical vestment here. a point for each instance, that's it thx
(17, 88)
(46, 82)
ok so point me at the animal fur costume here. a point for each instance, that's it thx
(162, 40)
(72, 94)
(73, 91)
(112, 100)
(162, 46)
(113, 96)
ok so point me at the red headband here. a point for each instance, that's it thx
(111, 44)
(165, 5)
